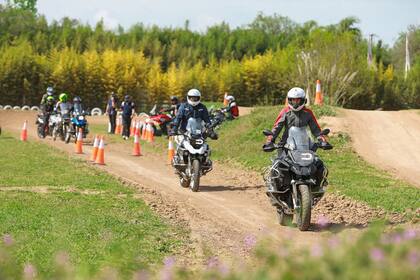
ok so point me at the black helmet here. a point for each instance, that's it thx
(174, 100)
(77, 99)
(127, 98)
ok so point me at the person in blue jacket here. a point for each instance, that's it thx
(193, 108)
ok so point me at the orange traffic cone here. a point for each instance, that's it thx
(133, 128)
(100, 158)
(79, 142)
(151, 134)
(24, 133)
(225, 101)
(319, 100)
(136, 149)
(171, 150)
(95, 148)
(143, 131)
(118, 130)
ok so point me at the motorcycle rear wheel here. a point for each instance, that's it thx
(303, 215)
(195, 180)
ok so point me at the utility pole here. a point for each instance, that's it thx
(407, 57)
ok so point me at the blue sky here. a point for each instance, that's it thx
(385, 18)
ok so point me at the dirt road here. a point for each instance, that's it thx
(389, 140)
(229, 212)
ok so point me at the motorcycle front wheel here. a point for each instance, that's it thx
(195, 180)
(54, 133)
(41, 131)
(303, 214)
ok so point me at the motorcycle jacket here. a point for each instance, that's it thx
(187, 111)
(288, 118)
(64, 108)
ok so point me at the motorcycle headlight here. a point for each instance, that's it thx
(81, 118)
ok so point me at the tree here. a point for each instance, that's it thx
(28, 5)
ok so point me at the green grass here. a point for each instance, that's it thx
(85, 213)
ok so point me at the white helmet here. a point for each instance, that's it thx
(193, 97)
(296, 99)
(230, 98)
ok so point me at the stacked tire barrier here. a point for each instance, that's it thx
(96, 112)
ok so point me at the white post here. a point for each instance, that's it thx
(407, 57)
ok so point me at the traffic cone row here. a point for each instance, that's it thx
(98, 151)
(143, 131)
(24, 132)
(79, 142)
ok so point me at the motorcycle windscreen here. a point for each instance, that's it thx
(195, 126)
(65, 110)
(298, 139)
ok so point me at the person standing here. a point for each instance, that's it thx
(111, 110)
(128, 111)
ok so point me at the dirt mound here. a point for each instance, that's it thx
(339, 210)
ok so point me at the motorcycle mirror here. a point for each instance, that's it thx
(326, 146)
(267, 132)
(325, 131)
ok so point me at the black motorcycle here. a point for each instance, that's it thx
(297, 178)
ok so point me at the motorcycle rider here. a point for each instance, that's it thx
(47, 109)
(77, 109)
(111, 110)
(174, 106)
(296, 114)
(232, 109)
(50, 92)
(63, 106)
(128, 111)
(193, 108)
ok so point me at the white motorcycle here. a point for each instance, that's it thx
(192, 157)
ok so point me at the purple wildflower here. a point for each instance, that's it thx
(413, 257)
(316, 251)
(250, 241)
(8, 240)
(377, 255)
(409, 234)
(333, 242)
(29, 271)
(322, 221)
(169, 262)
(213, 262)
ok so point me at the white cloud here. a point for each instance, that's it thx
(109, 21)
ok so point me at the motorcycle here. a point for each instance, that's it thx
(42, 129)
(192, 157)
(78, 121)
(294, 182)
(160, 119)
(217, 117)
(61, 127)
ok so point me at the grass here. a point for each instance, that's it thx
(374, 255)
(52, 203)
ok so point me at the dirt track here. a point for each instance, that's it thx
(389, 140)
(230, 208)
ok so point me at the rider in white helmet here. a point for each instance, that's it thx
(193, 108)
(296, 114)
(232, 109)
